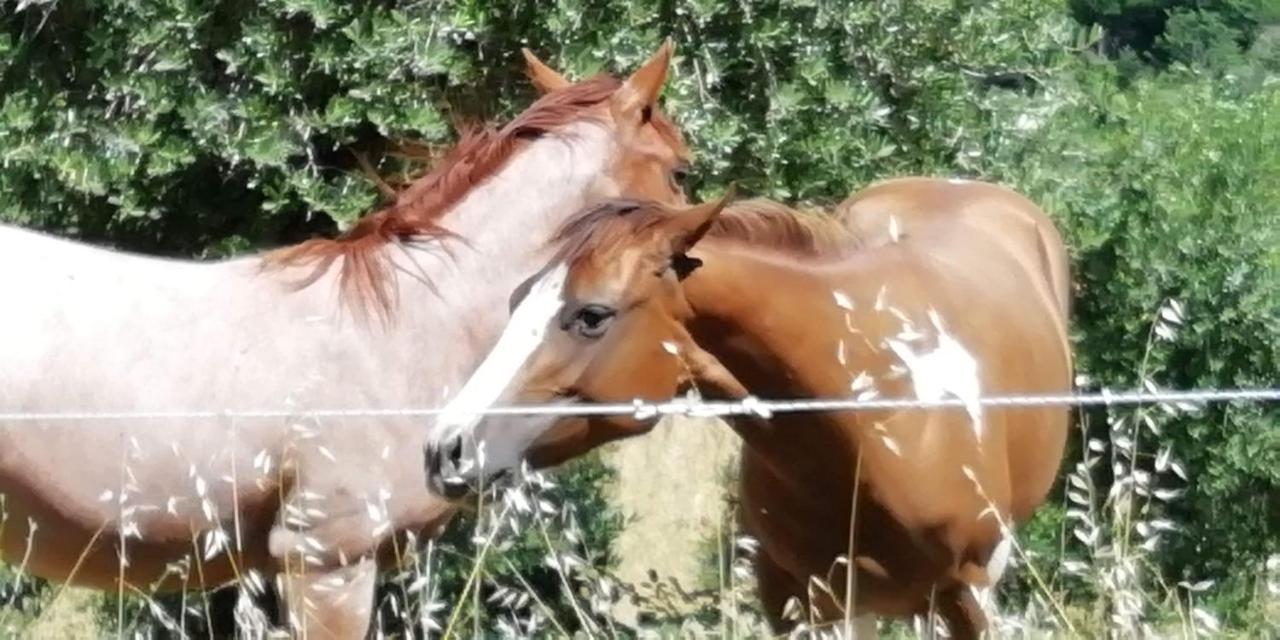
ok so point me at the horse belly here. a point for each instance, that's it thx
(68, 510)
(39, 539)
(805, 533)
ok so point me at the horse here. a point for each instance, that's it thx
(394, 313)
(860, 513)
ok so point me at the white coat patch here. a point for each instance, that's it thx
(948, 369)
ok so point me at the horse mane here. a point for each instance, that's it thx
(756, 223)
(417, 209)
(801, 232)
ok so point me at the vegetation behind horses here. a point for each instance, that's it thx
(1148, 130)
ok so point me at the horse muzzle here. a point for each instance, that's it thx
(456, 467)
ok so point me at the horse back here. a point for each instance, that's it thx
(915, 206)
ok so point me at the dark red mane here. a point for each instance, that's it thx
(418, 208)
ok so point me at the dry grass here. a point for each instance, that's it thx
(670, 481)
(73, 615)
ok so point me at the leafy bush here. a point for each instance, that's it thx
(179, 127)
(537, 559)
(20, 596)
(1200, 38)
(1167, 190)
(1164, 31)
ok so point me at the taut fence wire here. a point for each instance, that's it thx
(1179, 399)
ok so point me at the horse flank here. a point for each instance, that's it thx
(480, 153)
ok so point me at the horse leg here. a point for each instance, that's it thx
(324, 603)
(959, 609)
(776, 587)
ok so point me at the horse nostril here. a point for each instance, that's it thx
(455, 453)
(437, 458)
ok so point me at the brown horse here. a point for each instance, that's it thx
(963, 292)
(116, 504)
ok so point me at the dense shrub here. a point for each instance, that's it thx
(19, 598)
(1163, 31)
(1168, 190)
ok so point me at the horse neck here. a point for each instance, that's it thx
(535, 191)
(765, 316)
(504, 227)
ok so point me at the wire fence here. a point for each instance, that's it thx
(1185, 400)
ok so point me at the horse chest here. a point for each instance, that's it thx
(803, 529)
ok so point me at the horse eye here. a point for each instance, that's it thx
(679, 175)
(591, 321)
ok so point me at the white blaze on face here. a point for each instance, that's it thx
(524, 332)
(948, 369)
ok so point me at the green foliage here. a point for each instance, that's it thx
(19, 592)
(1208, 32)
(1043, 537)
(803, 100)
(1266, 51)
(19, 597)
(1168, 190)
(568, 518)
(172, 125)
(1200, 39)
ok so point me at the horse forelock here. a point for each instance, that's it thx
(604, 226)
(365, 277)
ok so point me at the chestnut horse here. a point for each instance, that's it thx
(390, 315)
(965, 295)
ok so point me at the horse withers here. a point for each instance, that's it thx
(961, 296)
(392, 314)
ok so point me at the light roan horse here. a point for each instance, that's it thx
(962, 293)
(393, 314)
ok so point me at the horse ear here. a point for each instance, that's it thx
(640, 92)
(685, 227)
(544, 78)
